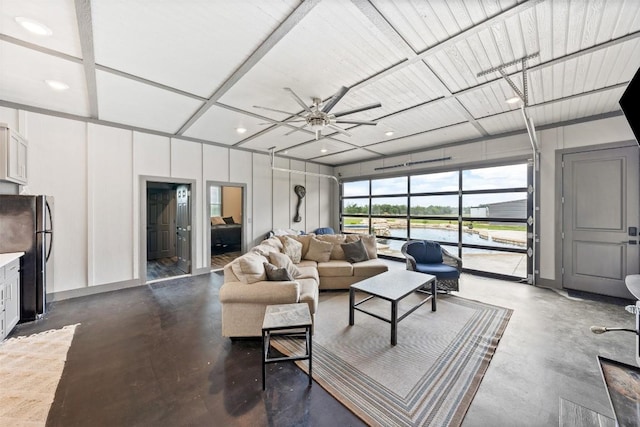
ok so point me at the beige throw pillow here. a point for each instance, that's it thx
(283, 261)
(371, 245)
(319, 251)
(292, 248)
(337, 240)
(249, 268)
(217, 220)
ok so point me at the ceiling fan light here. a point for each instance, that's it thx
(33, 26)
(57, 85)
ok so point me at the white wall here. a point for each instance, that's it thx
(550, 141)
(93, 172)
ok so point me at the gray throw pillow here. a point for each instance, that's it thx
(355, 251)
(275, 274)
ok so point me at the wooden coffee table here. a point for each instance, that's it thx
(393, 286)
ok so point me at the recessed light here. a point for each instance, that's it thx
(57, 85)
(33, 26)
(513, 100)
(285, 152)
(241, 130)
(389, 133)
(324, 150)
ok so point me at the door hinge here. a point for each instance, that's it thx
(188, 228)
(562, 271)
(562, 200)
(562, 235)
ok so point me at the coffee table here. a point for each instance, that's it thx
(393, 286)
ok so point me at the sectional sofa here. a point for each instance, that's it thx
(312, 263)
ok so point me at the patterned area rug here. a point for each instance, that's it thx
(30, 369)
(429, 378)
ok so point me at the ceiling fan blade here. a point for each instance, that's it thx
(335, 99)
(277, 111)
(358, 122)
(342, 131)
(358, 109)
(296, 130)
(298, 100)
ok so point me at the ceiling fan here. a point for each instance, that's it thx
(318, 115)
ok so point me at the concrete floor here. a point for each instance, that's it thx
(153, 355)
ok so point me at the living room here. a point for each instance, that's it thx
(151, 98)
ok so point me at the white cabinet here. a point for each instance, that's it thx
(9, 297)
(14, 150)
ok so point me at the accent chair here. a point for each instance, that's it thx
(429, 257)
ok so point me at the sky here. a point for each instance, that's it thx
(511, 176)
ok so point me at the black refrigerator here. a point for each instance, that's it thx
(26, 225)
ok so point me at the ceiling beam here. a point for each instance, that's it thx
(283, 29)
(85, 28)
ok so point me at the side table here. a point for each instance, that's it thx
(291, 320)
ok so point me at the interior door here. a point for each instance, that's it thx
(183, 228)
(159, 224)
(600, 220)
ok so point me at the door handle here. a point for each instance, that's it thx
(630, 242)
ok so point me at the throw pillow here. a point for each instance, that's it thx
(217, 220)
(283, 261)
(249, 268)
(337, 240)
(302, 238)
(371, 245)
(275, 274)
(292, 248)
(355, 251)
(228, 220)
(319, 251)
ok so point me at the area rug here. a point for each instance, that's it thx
(30, 369)
(429, 378)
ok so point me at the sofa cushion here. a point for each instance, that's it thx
(217, 220)
(309, 293)
(283, 261)
(319, 251)
(302, 238)
(249, 268)
(309, 273)
(335, 268)
(292, 248)
(337, 240)
(276, 274)
(355, 251)
(369, 268)
(307, 263)
(263, 249)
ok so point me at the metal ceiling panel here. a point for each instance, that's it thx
(489, 99)
(425, 140)
(22, 80)
(191, 45)
(276, 138)
(137, 104)
(314, 149)
(333, 46)
(502, 123)
(57, 15)
(354, 155)
(220, 125)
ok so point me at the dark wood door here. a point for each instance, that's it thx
(160, 224)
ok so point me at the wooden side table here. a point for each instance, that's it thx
(292, 320)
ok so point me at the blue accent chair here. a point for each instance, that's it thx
(428, 257)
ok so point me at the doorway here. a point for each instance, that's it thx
(600, 191)
(168, 230)
(225, 208)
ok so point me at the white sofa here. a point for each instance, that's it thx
(246, 291)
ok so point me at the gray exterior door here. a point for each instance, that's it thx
(600, 210)
(160, 229)
(183, 228)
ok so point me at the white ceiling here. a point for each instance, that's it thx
(197, 68)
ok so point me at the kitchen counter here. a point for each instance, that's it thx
(8, 257)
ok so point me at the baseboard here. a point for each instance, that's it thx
(92, 290)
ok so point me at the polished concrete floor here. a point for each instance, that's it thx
(153, 356)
